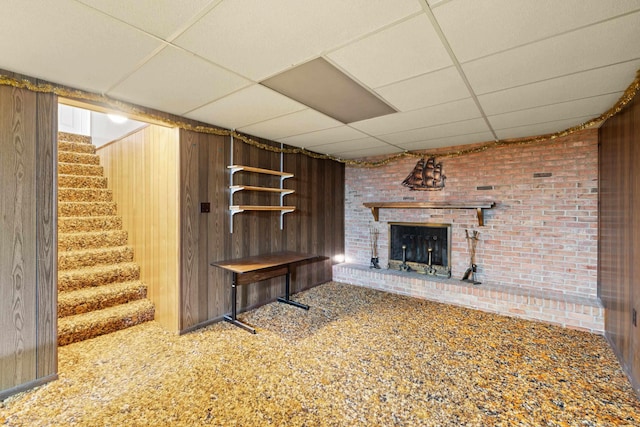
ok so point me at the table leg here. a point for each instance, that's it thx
(234, 297)
(287, 288)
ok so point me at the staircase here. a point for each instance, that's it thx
(99, 287)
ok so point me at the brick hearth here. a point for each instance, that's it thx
(560, 309)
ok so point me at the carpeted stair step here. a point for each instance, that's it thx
(81, 181)
(74, 137)
(83, 158)
(76, 147)
(97, 239)
(71, 280)
(99, 288)
(94, 257)
(98, 298)
(77, 169)
(89, 325)
(89, 223)
(84, 195)
(86, 209)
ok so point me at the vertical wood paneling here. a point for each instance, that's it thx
(27, 239)
(320, 211)
(634, 288)
(218, 235)
(204, 235)
(18, 251)
(635, 238)
(203, 151)
(189, 229)
(143, 172)
(46, 232)
(619, 234)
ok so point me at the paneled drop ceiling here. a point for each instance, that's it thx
(455, 71)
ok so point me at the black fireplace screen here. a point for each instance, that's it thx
(419, 241)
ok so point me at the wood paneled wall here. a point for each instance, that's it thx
(28, 236)
(142, 171)
(316, 227)
(619, 235)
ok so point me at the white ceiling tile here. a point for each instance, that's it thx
(404, 50)
(160, 82)
(583, 107)
(250, 105)
(369, 152)
(450, 141)
(304, 121)
(437, 2)
(541, 128)
(494, 25)
(438, 114)
(357, 144)
(322, 137)
(158, 17)
(259, 38)
(544, 61)
(68, 43)
(596, 46)
(594, 82)
(429, 89)
(439, 131)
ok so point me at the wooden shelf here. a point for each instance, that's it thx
(241, 208)
(234, 209)
(238, 168)
(478, 206)
(283, 191)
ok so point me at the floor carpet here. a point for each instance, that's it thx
(358, 357)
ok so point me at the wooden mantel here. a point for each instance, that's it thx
(478, 206)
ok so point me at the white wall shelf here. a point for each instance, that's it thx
(235, 209)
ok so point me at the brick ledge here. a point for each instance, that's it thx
(569, 311)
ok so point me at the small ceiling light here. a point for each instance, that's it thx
(117, 118)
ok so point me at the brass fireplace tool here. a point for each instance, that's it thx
(472, 241)
(373, 237)
(404, 266)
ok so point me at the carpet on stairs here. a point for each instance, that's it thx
(99, 287)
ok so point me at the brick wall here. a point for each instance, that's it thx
(541, 235)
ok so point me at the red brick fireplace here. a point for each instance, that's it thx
(420, 247)
(537, 250)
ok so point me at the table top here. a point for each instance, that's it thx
(259, 262)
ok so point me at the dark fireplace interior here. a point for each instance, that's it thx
(425, 246)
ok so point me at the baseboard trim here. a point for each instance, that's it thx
(626, 368)
(27, 386)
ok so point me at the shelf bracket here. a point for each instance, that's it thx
(375, 212)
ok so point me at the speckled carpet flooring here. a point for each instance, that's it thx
(359, 357)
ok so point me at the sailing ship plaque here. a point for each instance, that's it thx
(426, 176)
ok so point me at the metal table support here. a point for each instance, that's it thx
(257, 268)
(286, 299)
(233, 318)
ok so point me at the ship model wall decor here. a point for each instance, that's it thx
(426, 176)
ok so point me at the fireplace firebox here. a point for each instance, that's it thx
(421, 247)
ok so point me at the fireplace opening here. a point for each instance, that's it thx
(423, 248)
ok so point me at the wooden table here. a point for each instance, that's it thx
(261, 267)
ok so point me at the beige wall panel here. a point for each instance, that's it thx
(142, 170)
